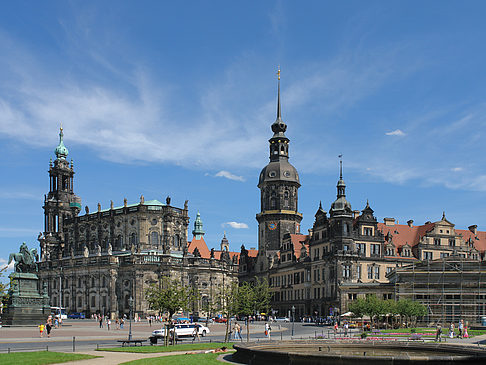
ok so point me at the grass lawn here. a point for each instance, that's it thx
(181, 347)
(40, 358)
(196, 359)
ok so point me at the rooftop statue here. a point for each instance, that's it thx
(25, 260)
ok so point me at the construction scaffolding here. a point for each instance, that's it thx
(452, 288)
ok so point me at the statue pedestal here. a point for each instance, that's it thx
(26, 305)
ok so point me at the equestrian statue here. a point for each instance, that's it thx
(25, 260)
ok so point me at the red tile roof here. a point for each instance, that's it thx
(298, 240)
(402, 234)
(206, 252)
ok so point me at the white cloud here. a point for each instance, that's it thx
(236, 225)
(3, 263)
(229, 175)
(457, 169)
(396, 132)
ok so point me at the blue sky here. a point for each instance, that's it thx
(177, 98)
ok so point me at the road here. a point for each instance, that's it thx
(89, 336)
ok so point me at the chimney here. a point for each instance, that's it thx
(355, 214)
(389, 221)
(410, 223)
(473, 228)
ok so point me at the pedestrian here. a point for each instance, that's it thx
(196, 333)
(41, 329)
(335, 328)
(122, 322)
(56, 323)
(466, 335)
(108, 323)
(268, 329)
(100, 319)
(237, 329)
(461, 328)
(150, 321)
(451, 330)
(117, 324)
(438, 333)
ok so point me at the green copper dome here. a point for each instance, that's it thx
(198, 232)
(61, 150)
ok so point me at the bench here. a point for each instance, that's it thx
(128, 342)
(415, 337)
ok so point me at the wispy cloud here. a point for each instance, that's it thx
(4, 262)
(235, 225)
(457, 169)
(396, 132)
(229, 175)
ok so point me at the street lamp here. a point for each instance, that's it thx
(130, 306)
(293, 319)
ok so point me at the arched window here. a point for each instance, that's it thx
(154, 239)
(176, 241)
(133, 239)
(273, 201)
(286, 199)
(119, 241)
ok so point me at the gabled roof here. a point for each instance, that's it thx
(402, 234)
(200, 244)
(298, 240)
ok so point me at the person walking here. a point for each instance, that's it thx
(346, 326)
(268, 329)
(237, 330)
(196, 333)
(100, 319)
(438, 333)
(108, 323)
(451, 330)
(461, 328)
(41, 329)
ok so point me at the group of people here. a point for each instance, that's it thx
(237, 331)
(462, 331)
(119, 322)
(47, 327)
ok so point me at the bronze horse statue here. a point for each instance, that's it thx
(25, 260)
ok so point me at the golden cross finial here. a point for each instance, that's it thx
(61, 127)
(278, 72)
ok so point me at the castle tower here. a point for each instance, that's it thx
(198, 232)
(278, 184)
(60, 203)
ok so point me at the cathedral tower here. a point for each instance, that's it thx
(278, 184)
(60, 203)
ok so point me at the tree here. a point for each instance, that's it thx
(262, 296)
(246, 304)
(170, 296)
(358, 307)
(227, 304)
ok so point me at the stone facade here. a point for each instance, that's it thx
(95, 262)
(347, 253)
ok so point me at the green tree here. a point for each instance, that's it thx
(246, 304)
(262, 296)
(227, 304)
(170, 296)
(358, 307)
(374, 307)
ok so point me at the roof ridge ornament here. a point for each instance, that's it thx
(61, 151)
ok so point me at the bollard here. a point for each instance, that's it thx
(74, 344)
(97, 346)
(9, 350)
(47, 347)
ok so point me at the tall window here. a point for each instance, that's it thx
(154, 239)
(452, 242)
(427, 255)
(176, 241)
(133, 239)
(375, 249)
(377, 272)
(346, 271)
(358, 271)
(286, 199)
(370, 272)
(361, 249)
(437, 241)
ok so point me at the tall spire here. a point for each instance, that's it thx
(340, 167)
(279, 110)
(198, 232)
(61, 151)
(341, 185)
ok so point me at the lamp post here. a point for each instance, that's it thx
(130, 305)
(293, 319)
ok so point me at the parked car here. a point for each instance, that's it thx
(183, 329)
(76, 315)
(220, 320)
(282, 319)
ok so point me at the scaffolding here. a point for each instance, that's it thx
(452, 288)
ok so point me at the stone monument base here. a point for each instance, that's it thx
(26, 305)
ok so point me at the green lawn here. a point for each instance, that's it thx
(181, 347)
(197, 359)
(40, 358)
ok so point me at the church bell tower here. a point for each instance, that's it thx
(278, 184)
(59, 204)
